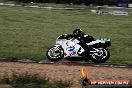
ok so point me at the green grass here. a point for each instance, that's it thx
(28, 32)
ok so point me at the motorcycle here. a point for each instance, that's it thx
(97, 50)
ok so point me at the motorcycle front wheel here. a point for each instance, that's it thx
(55, 53)
(101, 55)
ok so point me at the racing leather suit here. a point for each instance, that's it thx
(83, 38)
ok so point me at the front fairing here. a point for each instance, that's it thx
(71, 47)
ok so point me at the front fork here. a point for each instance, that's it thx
(57, 47)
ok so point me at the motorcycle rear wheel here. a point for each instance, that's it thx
(54, 53)
(101, 55)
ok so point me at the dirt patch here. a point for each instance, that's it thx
(63, 72)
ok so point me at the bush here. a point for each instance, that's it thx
(27, 80)
(87, 2)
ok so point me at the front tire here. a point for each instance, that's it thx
(55, 53)
(101, 55)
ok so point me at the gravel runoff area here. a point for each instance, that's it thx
(64, 72)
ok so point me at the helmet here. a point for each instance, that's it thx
(77, 32)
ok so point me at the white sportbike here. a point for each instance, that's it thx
(97, 50)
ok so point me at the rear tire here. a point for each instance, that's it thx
(55, 53)
(101, 56)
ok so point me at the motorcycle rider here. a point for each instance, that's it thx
(79, 34)
(82, 37)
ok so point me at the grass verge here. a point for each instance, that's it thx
(28, 32)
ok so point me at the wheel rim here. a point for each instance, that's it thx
(100, 54)
(55, 53)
